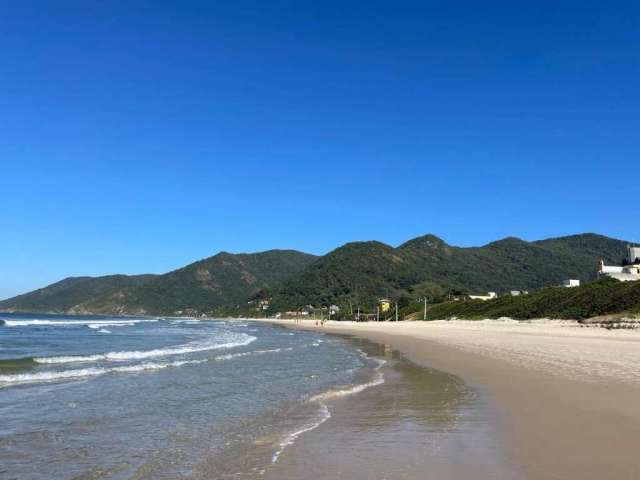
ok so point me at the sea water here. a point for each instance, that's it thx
(162, 398)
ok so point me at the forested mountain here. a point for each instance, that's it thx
(66, 294)
(222, 280)
(359, 272)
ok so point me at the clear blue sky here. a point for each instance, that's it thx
(140, 136)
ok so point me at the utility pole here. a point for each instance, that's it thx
(396, 311)
(425, 308)
(377, 314)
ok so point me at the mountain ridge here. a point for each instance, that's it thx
(194, 287)
(502, 265)
(354, 273)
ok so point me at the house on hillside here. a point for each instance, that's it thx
(488, 296)
(517, 293)
(629, 271)
(570, 283)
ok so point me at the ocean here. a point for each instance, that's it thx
(94, 397)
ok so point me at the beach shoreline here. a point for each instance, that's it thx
(566, 397)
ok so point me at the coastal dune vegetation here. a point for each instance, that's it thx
(603, 298)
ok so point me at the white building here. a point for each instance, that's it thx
(570, 283)
(488, 296)
(624, 273)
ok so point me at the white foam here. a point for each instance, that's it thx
(325, 415)
(89, 372)
(104, 330)
(140, 367)
(229, 356)
(332, 394)
(101, 326)
(77, 323)
(98, 326)
(49, 376)
(378, 379)
(154, 366)
(144, 354)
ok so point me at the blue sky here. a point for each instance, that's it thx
(140, 136)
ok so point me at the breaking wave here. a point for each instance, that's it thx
(242, 340)
(89, 372)
(49, 376)
(17, 363)
(77, 323)
(229, 356)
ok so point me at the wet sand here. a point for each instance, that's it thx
(419, 423)
(566, 399)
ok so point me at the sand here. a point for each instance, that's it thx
(567, 398)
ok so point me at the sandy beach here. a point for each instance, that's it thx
(566, 399)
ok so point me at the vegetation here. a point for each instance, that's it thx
(222, 280)
(604, 297)
(360, 273)
(66, 294)
(353, 276)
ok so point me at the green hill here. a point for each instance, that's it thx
(65, 295)
(355, 274)
(224, 279)
(362, 272)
